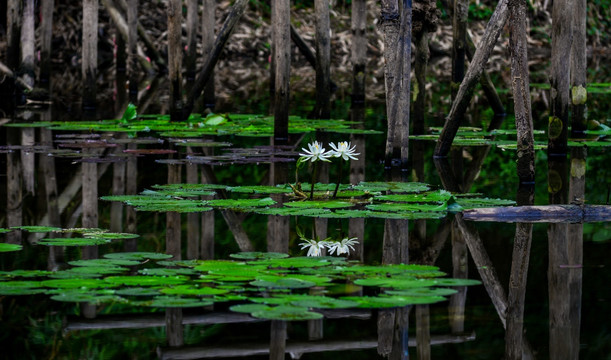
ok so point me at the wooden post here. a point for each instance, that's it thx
(132, 50)
(404, 100)
(46, 33)
(90, 204)
(579, 64)
(322, 109)
(390, 23)
(173, 327)
(175, 58)
(191, 55)
(208, 22)
(562, 35)
(193, 232)
(517, 291)
(459, 45)
(277, 344)
(281, 16)
(423, 332)
(460, 270)
(465, 91)
(89, 66)
(13, 39)
(14, 188)
(28, 164)
(120, 74)
(173, 227)
(359, 51)
(27, 68)
(521, 91)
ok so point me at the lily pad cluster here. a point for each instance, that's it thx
(265, 285)
(389, 200)
(470, 136)
(78, 236)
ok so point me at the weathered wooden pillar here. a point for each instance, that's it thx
(208, 25)
(281, 34)
(193, 219)
(13, 39)
(191, 53)
(404, 100)
(472, 76)
(27, 68)
(175, 58)
(359, 51)
(579, 64)
(173, 327)
(46, 33)
(390, 23)
(423, 332)
(173, 226)
(132, 50)
(562, 35)
(277, 346)
(120, 73)
(459, 44)
(322, 109)
(460, 270)
(89, 65)
(90, 203)
(518, 48)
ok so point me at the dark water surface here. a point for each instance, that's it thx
(567, 299)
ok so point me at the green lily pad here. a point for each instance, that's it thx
(322, 302)
(249, 308)
(470, 203)
(105, 262)
(177, 302)
(287, 313)
(283, 283)
(260, 189)
(95, 270)
(395, 283)
(86, 296)
(2, 230)
(324, 204)
(192, 290)
(396, 187)
(73, 241)
(439, 197)
(4, 247)
(144, 280)
(407, 207)
(111, 235)
(167, 272)
(258, 255)
(138, 291)
(457, 282)
(138, 256)
(240, 203)
(72, 283)
(37, 229)
(302, 262)
(425, 291)
(25, 273)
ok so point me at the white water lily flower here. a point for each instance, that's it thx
(344, 150)
(342, 247)
(315, 247)
(316, 152)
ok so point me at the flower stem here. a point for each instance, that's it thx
(314, 175)
(339, 179)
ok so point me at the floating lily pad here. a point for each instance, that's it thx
(240, 203)
(397, 187)
(25, 273)
(259, 255)
(2, 230)
(89, 297)
(395, 283)
(138, 291)
(439, 197)
(303, 262)
(144, 280)
(95, 270)
(167, 272)
(105, 262)
(4, 247)
(426, 291)
(283, 283)
(287, 313)
(407, 207)
(178, 302)
(324, 204)
(138, 256)
(76, 283)
(457, 282)
(260, 189)
(73, 241)
(249, 308)
(191, 290)
(321, 302)
(111, 235)
(470, 203)
(37, 229)
(373, 302)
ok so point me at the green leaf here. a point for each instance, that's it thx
(4, 247)
(145, 280)
(137, 256)
(323, 204)
(37, 229)
(215, 120)
(287, 313)
(258, 255)
(129, 114)
(192, 290)
(177, 302)
(73, 241)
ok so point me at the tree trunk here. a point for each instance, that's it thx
(518, 48)
(562, 36)
(89, 64)
(175, 59)
(465, 91)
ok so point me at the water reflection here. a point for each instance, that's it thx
(430, 328)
